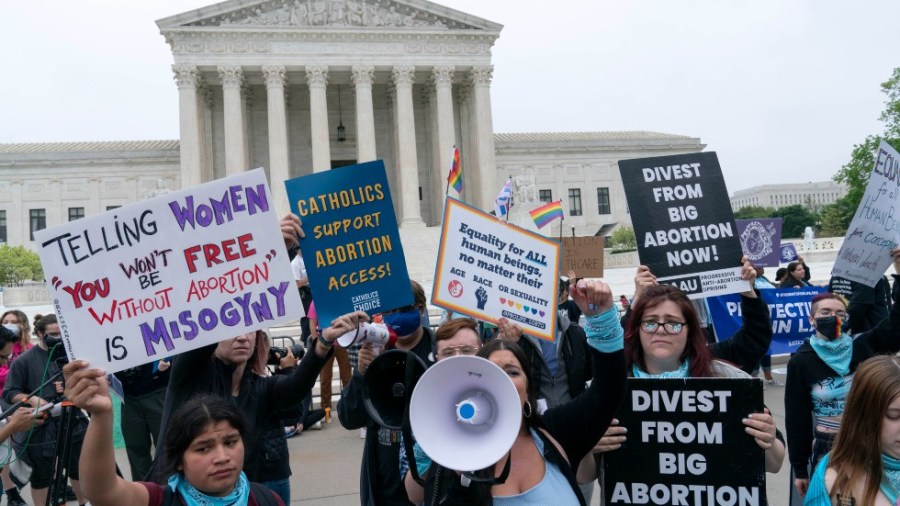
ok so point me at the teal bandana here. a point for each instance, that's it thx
(683, 371)
(891, 476)
(193, 497)
(836, 353)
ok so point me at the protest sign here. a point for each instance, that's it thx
(686, 444)
(170, 274)
(788, 312)
(875, 229)
(583, 255)
(683, 222)
(761, 240)
(352, 249)
(788, 252)
(488, 268)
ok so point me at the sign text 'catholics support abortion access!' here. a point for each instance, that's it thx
(875, 229)
(683, 222)
(687, 444)
(170, 274)
(352, 248)
(488, 268)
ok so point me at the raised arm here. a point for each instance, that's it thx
(751, 342)
(88, 389)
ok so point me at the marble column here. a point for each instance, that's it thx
(407, 160)
(365, 115)
(446, 131)
(187, 78)
(279, 150)
(484, 132)
(466, 145)
(317, 79)
(233, 104)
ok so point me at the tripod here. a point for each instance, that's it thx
(57, 491)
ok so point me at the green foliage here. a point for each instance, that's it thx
(18, 265)
(623, 238)
(751, 212)
(836, 218)
(795, 219)
(855, 174)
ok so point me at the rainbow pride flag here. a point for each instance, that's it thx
(547, 213)
(455, 177)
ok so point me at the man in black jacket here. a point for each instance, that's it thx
(380, 483)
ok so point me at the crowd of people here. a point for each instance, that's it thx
(209, 426)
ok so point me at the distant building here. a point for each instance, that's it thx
(809, 195)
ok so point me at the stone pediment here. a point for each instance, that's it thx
(332, 14)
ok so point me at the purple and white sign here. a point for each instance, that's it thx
(788, 252)
(761, 240)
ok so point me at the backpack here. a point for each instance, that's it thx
(258, 491)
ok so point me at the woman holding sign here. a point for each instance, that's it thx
(663, 339)
(864, 466)
(540, 469)
(820, 373)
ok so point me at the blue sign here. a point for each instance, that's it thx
(352, 248)
(788, 312)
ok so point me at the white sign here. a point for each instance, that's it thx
(489, 269)
(875, 229)
(170, 274)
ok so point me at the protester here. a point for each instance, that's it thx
(144, 387)
(343, 360)
(38, 448)
(540, 470)
(663, 340)
(863, 467)
(204, 451)
(10, 341)
(16, 322)
(797, 276)
(819, 377)
(565, 304)
(380, 483)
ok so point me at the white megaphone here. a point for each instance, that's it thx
(465, 413)
(376, 332)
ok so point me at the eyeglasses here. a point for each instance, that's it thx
(451, 351)
(650, 326)
(825, 313)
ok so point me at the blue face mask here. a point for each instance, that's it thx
(404, 323)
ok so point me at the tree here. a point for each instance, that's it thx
(836, 218)
(794, 220)
(751, 212)
(17, 265)
(855, 174)
(623, 238)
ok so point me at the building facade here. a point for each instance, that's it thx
(812, 196)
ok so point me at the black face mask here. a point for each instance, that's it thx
(51, 340)
(831, 327)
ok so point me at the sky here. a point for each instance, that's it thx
(780, 89)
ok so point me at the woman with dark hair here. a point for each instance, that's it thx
(204, 451)
(820, 373)
(863, 467)
(663, 339)
(235, 369)
(542, 456)
(797, 275)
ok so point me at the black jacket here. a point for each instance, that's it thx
(806, 369)
(261, 399)
(576, 426)
(573, 355)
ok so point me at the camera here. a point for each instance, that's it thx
(276, 353)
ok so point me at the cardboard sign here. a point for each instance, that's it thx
(170, 274)
(788, 311)
(584, 255)
(352, 250)
(683, 222)
(686, 444)
(788, 253)
(488, 268)
(875, 229)
(761, 240)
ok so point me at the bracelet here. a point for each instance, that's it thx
(324, 342)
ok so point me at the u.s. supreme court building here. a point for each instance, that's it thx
(301, 86)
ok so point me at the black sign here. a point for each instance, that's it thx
(683, 222)
(686, 444)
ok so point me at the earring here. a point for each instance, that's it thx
(526, 409)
